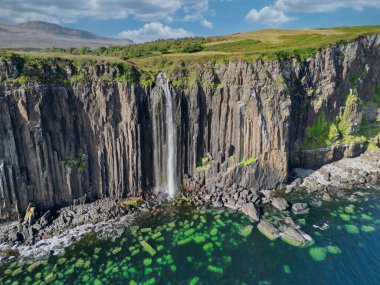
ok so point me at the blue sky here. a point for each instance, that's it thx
(144, 20)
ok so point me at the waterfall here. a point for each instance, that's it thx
(164, 137)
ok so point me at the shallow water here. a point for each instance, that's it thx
(217, 247)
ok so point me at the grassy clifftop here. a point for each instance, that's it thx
(163, 54)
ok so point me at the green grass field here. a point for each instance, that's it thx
(265, 44)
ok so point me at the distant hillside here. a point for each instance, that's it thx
(38, 34)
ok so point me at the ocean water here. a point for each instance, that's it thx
(222, 247)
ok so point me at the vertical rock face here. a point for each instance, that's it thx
(58, 144)
(240, 123)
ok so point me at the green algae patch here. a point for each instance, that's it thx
(156, 235)
(246, 231)
(208, 247)
(150, 281)
(148, 248)
(199, 239)
(50, 277)
(345, 217)
(351, 229)
(334, 249)
(189, 232)
(146, 230)
(366, 217)
(185, 241)
(215, 269)
(147, 262)
(79, 263)
(302, 222)
(34, 266)
(194, 280)
(214, 232)
(350, 209)
(61, 261)
(16, 272)
(220, 222)
(286, 269)
(116, 250)
(318, 253)
(367, 228)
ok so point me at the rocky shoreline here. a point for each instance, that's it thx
(42, 234)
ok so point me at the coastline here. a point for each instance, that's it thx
(107, 217)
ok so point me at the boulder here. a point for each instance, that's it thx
(280, 204)
(250, 210)
(231, 206)
(300, 208)
(326, 197)
(268, 230)
(296, 237)
(289, 188)
(290, 222)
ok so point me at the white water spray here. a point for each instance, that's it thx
(170, 142)
(165, 143)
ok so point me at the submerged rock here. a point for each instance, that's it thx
(300, 208)
(268, 229)
(296, 237)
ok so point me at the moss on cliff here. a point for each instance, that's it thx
(322, 133)
(78, 161)
(248, 161)
(343, 129)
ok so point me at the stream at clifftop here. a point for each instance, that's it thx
(221, 247)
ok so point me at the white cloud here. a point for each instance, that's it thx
(278, 13)
(207, 24)
(14, 11)
(268, 16)
(154, 31)
(323, 6)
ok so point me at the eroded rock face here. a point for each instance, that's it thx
(92, 138)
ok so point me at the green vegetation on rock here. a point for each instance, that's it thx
(204, 164)
(342, 130)
(77, 161)
(247, 162)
